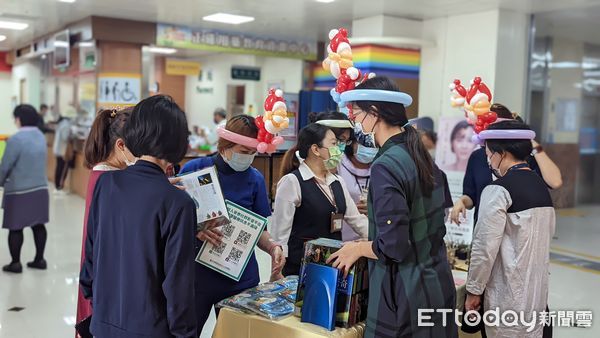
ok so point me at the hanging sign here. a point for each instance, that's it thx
(118, 89)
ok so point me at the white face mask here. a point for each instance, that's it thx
(127, 162)
(240, 162)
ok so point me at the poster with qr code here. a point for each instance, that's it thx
(240, 236)
(204, 188)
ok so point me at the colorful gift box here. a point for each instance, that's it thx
(352, 291)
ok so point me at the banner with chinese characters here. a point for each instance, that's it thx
(232, 42)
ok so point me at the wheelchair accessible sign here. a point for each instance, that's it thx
(118, 89)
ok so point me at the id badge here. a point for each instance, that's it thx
(336, 222)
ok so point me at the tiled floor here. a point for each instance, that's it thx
(49, 297)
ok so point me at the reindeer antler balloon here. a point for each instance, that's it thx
(476, 103)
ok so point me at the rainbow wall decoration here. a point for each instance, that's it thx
(381, 60)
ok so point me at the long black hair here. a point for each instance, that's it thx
(394, 114)
(311, 134)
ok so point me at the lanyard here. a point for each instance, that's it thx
(331, 201)
(518, 166)
(356, 177)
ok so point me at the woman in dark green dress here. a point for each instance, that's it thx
(408, 269)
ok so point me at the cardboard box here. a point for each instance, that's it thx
(352, 291)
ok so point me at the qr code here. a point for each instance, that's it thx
(228, 230)
(234, 256)
(218, 250)
(243, 238)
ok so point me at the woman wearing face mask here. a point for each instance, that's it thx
(311, 202)
(244, 185)
(478, 174)
(511, 243)
(104, 151)
(408, 267)
(355, 169)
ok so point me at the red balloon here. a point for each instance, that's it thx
(486, 125)
(478, 129)
(479, 122)
(492, 117)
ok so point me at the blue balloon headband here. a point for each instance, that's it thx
(503, 134)
(376, 95)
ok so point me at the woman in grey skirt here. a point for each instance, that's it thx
(23, 176)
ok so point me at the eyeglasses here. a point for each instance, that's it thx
(342, 142)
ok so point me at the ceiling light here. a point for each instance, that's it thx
(2, 38)
(325, 1)
(161, 50)
(86, 44)
(13, 25)
(68, 1)
(231, 19)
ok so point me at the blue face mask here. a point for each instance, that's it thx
(240, 162)
(342, 146)
(365, 154)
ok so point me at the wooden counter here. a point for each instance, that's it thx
(78, 176)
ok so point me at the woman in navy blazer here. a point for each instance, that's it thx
(139, 253)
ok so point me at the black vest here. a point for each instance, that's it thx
(312, 219)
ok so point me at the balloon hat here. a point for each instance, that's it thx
(339, 62)
(503, 134)
(476, 103)
(376, 95)
(269, 125)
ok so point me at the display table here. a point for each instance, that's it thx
(234, 324)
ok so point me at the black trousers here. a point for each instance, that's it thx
(60, 173)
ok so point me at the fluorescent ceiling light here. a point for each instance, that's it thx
(161, 50)
(325, 1)
(231, 19)
(2, 38)
(13, 25)
(86, 44)
(63, 44)
(67, 1)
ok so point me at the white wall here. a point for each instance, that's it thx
(7, 125)
(464, 48)
(200, 106)
(31, 72)
(490, 44)
(512, 65)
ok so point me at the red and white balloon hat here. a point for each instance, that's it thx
(269, 125)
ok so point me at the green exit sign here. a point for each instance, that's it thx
(245, 73)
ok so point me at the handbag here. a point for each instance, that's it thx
(83, 328)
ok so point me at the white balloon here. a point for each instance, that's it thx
(279, 93)
(271, 128)
(335, 69)
(343, 46)
(279, 105)
(329, 49)
(333, 33)
(353, 73)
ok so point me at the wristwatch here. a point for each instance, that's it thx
(537, 150)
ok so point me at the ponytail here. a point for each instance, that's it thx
(422, 158)
(311, 134)
(290, 161)
(107, 128)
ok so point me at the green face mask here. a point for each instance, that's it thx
(335, 156)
